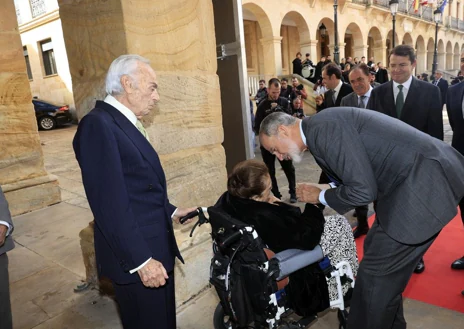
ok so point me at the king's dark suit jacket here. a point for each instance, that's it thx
(455, 115)
(422, 107)
(328, 101)
(126, 189)
(417, 180)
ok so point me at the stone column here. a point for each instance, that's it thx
(441, 61)
(310, 47)
(380, 55)
(360, 51)
(341, 49)
(421, 62)
(186, 127)
(26, 184)
(272, 54)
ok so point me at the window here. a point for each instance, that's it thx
(48, 57)
(38, 7)
(28, 64)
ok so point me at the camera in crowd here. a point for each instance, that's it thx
(456, 80)
(299, 87)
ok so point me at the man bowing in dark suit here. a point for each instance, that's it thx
(414, 102)
(125, 185)
(415, 179)
(442, 84)
(332, 77)
(455, 108)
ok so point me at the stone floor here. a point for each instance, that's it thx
(47, 264)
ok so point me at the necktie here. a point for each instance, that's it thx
(142, 130)
(334, 99)
(361, 101)
(399, 101)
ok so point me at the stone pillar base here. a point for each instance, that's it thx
(32, 194)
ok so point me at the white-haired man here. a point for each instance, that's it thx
(371, 156)
(126, 188)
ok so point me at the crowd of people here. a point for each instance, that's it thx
(376, 141)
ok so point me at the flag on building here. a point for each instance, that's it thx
(416, 5)
(443, 5)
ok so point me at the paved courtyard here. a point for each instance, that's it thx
(47, 263)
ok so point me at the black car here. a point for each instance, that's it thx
(49, 115)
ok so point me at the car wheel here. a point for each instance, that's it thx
(47, 123)
(221, 320)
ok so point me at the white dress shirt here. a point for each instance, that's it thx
(406, 86)
(133, 119)
(337, 90)
(367, 96)
(322, 193)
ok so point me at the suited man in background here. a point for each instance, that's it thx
(126, 188)
(332, 76)
(414, 102)
(442, 84)
(381, 75)
(360, 82)
(375, 157)
(6, 244)
(454, 106)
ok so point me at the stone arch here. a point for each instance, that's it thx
(325, 43)
(441, 55)
(354, 42)
(375, 45)
(407, 39)
(294, 31)
(449, 56)
(262, 43)
(430, 50)
(456, 57)
(421, 54)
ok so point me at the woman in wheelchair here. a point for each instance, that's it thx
(282, 226)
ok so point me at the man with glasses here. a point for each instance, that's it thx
(410, 100)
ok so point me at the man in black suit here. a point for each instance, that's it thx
(332, 76)
(360, 82)
(381, 73)
(454, 101)
(414, 102)
(442, 84)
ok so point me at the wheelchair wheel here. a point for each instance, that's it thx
(342, 318)
(221, 320)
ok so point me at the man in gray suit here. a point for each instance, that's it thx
(360, 82)
(6, 244)
(415, 178)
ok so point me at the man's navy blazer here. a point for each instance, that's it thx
(455, 115)
(126, 189)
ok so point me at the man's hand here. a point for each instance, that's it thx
(309, 192)
(319, 100)
(3, 230)
(153, 274)
(183, 212)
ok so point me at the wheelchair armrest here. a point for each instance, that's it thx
(291, 260)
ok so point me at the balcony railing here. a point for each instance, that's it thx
(461, 25)
(427, 14)
(382, 3)
(360, 2)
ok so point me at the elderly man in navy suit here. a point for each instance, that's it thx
(125, 185)
(442, 84)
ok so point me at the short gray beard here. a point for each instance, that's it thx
(295, 153)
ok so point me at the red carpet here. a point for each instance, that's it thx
(438, 284)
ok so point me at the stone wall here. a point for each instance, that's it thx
(26, 184)
(185, 127)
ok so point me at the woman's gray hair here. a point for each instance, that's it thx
(123, 65)
(271, 123)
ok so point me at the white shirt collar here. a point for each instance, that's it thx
(337, 88)
(121, 108)
(303, 137)
(406, 85)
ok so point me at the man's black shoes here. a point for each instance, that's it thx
(420, 267)
(293, 198)
(458, 264)
(360, 230)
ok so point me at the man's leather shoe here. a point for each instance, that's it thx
(360, 230)
(420, 267)
(458, 264)
(293, 198)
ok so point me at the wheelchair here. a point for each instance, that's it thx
(250, 279)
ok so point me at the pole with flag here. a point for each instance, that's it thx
(442, 6)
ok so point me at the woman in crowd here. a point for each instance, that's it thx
(282, 226)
